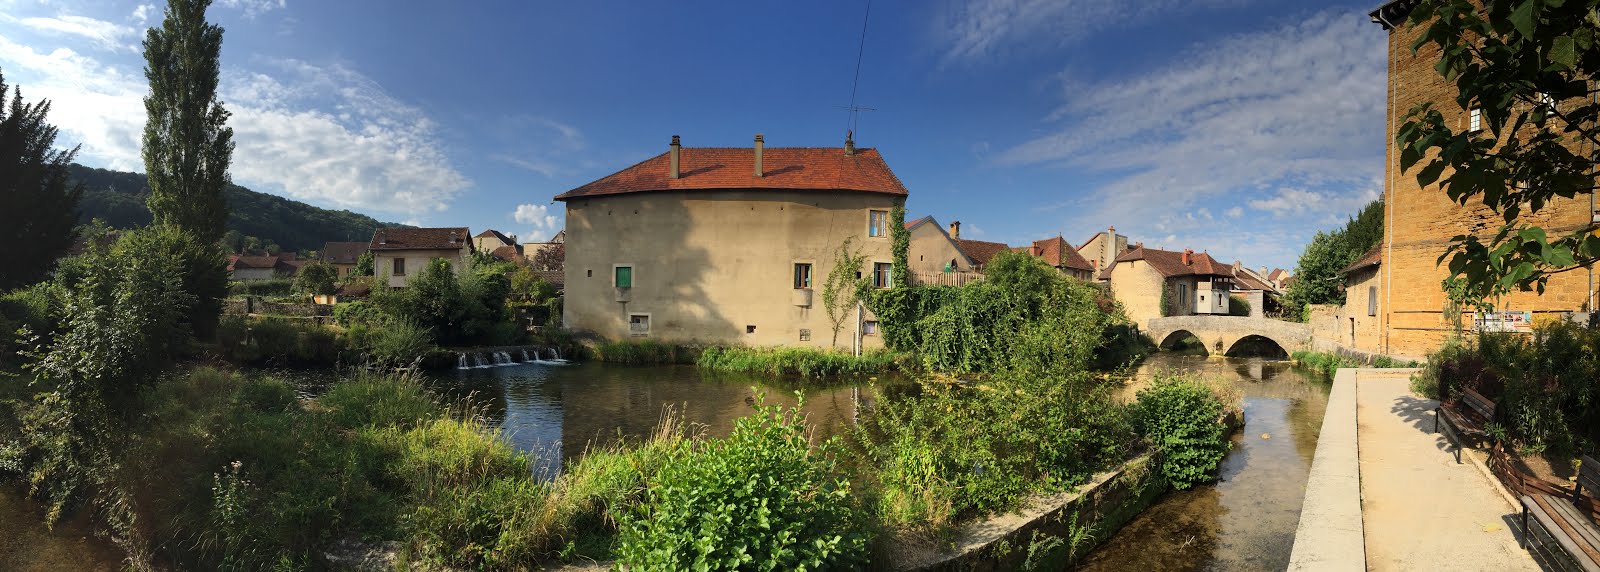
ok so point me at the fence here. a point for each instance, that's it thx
(958, 278)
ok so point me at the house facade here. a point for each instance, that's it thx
(398, 254)
(933, 250)
(1152, 283)
(343, 256)
(1102, 249)
(727, 245)
(1062, 256)
(1413, 315)
(254, 267)
(489, 240)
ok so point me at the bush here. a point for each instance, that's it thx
(279, 341)
(397, 343)
(1238, 306)
(644, 352)
(273, 287)
(759, 498)
(1182, 419)
(31, 308)
(348, 314)
(316, 277)
(803, 362)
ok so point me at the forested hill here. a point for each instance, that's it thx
(118, 198)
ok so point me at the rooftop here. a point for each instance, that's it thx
(1170, 263)
(343, 252)
(443, 238)
(787, 168)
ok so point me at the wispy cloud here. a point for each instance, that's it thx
(253, 8)
(105, 35)
(141, 13)
(539, 144)
(1298, 107)
(544, 222)
(982, 29)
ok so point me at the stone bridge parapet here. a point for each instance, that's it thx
(1221, 333)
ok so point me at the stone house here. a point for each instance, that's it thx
(727, 245)
(1060, 255)
(1152, 283)
(343, 256)
(1102, 249)
(532, 249)
(1359, 321)
(1420, 221)
(491, 239)
(253, 267)
(933, 250)
(1254, 289)
(400, 253)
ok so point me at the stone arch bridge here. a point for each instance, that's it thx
(1221, 334)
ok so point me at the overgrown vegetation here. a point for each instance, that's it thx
(38, 208)
(1329, 363)
(802, 362)
(1319, 275)
(1182, 419)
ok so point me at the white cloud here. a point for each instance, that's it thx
(253, 8)
(981, 29)
(1235, 212)
(106, 35)
(1296, 202)
(544, 223)
(141, 13)
(324, 134)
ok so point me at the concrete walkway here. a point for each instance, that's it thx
(1420, 509)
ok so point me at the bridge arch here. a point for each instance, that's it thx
(1175, 341)
(1221, 335)
(1255, 345)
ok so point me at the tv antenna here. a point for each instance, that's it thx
(854, 109)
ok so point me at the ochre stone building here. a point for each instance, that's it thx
(933, 250)
(398, 254)
(1152, 283)
(1419, 222)
(727, 245)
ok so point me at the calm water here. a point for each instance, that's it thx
(27, 546)
(1247, 520)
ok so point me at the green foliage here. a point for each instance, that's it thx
(348, 314)
(279, 341)
(645, 352)
(469, 309)
(1238, 306)
(32, 308)
(1182, 418)
(899, 310)
(273, 287)
(316, 277)
(38, 208)
(1544, 383)
(803, 362)
(900, 248)
(1323, 362)
(1319, 274)
(397, 343)
(846, 287)
(363, 265)
(760, 499)
(1528, 66)
(187, 142)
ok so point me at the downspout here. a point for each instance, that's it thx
(1389, 207)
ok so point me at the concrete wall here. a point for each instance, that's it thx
(416, 260)
(931, 249)
(708, 265)
(1420, 221)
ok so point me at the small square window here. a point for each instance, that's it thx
(639, 324)
(805, 334)
(802, 275)
(1475, 120)
(749, 329)
(877, 223)
(869, 328)
(623, 277)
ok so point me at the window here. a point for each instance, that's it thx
(869, 328)
(880, 274)
(1475, 120)
(399, 267)
(1372, 300)
(638, 324)
(877, 223)
(802, 275)
(623, 277)
(1183, 295)
(805, 334)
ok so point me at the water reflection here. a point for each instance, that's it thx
(1246, 521)
(27, 546)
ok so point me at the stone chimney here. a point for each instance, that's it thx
(673, 172)
(759, 144)
(955, 229)
(1188, 257)
(849, 143)
(383, 238)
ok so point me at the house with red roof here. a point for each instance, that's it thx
(398, 254)
(343, 256)
(1151, 283)
(1060, 255)
(728, 245)
(250, 267)
(934, 250)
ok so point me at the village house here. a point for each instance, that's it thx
(1419, 222)
(532, 249)
(400, 253)
(728, 245)
(1254, 289)
(1103, 248)
(978, 251)
(1152, 283)
(933, 250)
(491, 239)
(1060, 255)
(343, 256)
(253, 267)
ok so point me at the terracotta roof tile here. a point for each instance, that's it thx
(343, 252)
(910, 224)
(980, 251)
(1170, 263)
(1372, 257)
(1056, 252)
(507, 253)
(419, 238)
(702, 168)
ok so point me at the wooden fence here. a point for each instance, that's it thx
(958, 278)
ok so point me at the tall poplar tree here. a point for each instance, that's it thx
(38, 209)
(187, 142)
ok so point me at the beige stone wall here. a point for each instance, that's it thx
(710, 264)
(416, 260)
(1104, 247)
(344, 270)
(1420, 222)
(931, 249)
(1138, 287)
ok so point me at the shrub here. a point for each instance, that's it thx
(1238, 306)
(644, 352)
(803, 362)
(1182, 418)
(397, 343)
(760, 498)
(1324, 362)
(316, 277)
(358, 312)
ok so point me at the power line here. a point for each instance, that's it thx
(860, 49)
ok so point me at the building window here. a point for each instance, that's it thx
(802, 275)
(1372, 300)
(869, 328)
(805, 334)
(623, 277)
(881, 274)
(638, 324)
(877, 223)
(399, 267)
(1475, 119)
(1183, 295)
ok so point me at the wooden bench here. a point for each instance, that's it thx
(1470, 413)
(1559, 522)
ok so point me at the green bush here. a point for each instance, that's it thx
(278, 341)
(1324, 362)
(397, 343)
(644, 352)
(31, 308)
(357, 312)
(273, 287)
(758, 499)
(803, 362)
(1238, 306)
(316, 277)
(1182, 419)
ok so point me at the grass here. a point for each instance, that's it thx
(644, 352)
(1328, 363)
(803, 362)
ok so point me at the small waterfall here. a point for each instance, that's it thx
(525, 355)
(477, 359)
(461, 360)
(554, 355)
(502, 358)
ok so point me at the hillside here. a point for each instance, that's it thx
(118, 198)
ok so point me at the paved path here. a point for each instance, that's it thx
(1421, 510)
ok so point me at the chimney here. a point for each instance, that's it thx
(955, 229)
(1188, 257)
(673, 173)
(1139, 245)
(849, 143)
(759, 144)
(383, 238)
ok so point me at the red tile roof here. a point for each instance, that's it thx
(343, 252)
(1372, 257)
(1056, 252)
(980, 251)
(807, 168)
(509, 253)
(910, 224)
(1244, 279)
(497, 235)
(419, 238)
(1276, 274)
(1170, 263)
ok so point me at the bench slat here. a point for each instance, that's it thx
(1589, 476)
(1479, 404)
(1582, 530)
(1546, 510)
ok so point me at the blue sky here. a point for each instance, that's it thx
(1240, 127)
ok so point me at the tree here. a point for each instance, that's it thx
(363, 265)
(845, 286)
(37, 208)
(317, 277)
(550, 257)
(1526, 65)
(187, 143)
(1319, 272)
